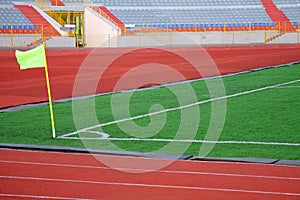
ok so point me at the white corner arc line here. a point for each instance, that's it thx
(178, 108)
(151, 185)
(103, 135)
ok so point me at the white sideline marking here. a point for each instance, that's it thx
(289, 87)
(187, 141)
(149, 185)
(178, 108)
(157, 171)
(38, 197)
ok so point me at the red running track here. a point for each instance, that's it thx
(52, 175)
(28, 86)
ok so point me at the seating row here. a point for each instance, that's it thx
(11, 15)
(140, 16)
(19, 29)
(206, 27)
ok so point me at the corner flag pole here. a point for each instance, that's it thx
(49, 95)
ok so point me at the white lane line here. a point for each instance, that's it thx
(289, 87)
(187, 141)
(157, 171)
(179, 108)
(150, 185)
(39, 197)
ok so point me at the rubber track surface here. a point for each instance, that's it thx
(51, 175)
(28, 86)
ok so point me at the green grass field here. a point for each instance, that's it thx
(264, 116)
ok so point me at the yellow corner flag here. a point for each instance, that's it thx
(36, 58)
(31, 59)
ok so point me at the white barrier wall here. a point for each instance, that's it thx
(249, 37)
(156, 39)
(287, 38)
(99, 30)
(7, 40)
(28, 41)
(60, 42)
(188, 39)
(181, 39)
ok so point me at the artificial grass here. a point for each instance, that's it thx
(266, 116)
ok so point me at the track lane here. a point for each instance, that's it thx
(83, 176)
(64, 65)
(111, 190)
(147, 163)
(153, 178)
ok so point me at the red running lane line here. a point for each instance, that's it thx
(83, 176)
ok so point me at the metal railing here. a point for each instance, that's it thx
(282, 27)
(161, 39)
(57, 17)
(26, 35)
(185, 39)
(148, 35)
